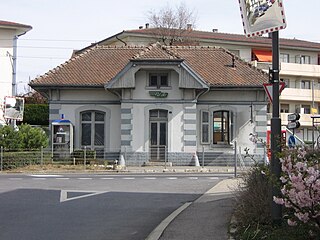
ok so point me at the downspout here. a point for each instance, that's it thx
(14, 64)
(125, 44)
(202, 93)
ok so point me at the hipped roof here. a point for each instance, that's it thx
(98, 65)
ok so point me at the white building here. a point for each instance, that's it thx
(9, 33)
(300, 65)
(158, 103)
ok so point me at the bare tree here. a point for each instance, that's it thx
(170, 24)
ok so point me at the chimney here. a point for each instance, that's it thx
(189, 27)
(147, 25)
(215, 30)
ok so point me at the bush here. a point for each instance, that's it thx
(301, 187)
(253, 199)
(36, 114)
(301, 197)
(25, 137)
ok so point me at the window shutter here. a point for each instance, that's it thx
(205, 129)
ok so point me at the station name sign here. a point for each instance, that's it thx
(158, 94)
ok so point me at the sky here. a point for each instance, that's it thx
(60, 26)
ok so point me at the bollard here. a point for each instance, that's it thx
(122, 161)
(235, 159)
(202, 157)
(84, 156)
(196, 160)
(165, 157)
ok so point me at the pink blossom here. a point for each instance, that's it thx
(292, 222)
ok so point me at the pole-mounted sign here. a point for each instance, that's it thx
(262, 16)
(293, 121)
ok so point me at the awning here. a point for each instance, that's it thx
(263, 55)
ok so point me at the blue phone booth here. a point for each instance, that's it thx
(62, 138)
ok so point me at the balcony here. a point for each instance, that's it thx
(291, 69)
(304, 70)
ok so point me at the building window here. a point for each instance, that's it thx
(305, 84)
(205, 127)
(286, 81)
(303, 59)
(305, 109)
(158, 80)
(284, 108)
(92, 129)
(221, 127)
(284, 57)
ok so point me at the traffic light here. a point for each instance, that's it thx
(293, 121)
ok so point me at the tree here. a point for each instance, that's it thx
(170, 24)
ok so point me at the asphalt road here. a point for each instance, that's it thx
(94, 206)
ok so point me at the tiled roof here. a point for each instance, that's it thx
(100, 64)
(94, 67)
(13, 24)
(218, 67)
(194, 34)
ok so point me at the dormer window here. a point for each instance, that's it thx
(158, 80)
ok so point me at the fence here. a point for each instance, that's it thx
(232, 158)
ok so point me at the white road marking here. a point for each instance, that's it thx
(193, 178)
(39, 179)
(65, 178)
(44, 176)
(150, 178)
(84, 178)
(214, 178)
(64, 195)
(107, 178)
(128, 178)
(172, 178)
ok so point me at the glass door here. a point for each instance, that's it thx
(158, 135)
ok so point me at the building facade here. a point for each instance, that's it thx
(158, 103)
(9, 32)
(299, 67)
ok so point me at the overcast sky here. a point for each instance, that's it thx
(59, 26)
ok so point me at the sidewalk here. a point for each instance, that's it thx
(206, 218)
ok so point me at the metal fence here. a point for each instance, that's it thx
(233, 158)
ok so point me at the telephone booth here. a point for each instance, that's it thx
(62, 138)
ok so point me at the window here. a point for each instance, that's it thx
(303, 59)
(205, 127)
(305, 109)
(286, 81)
(221, 127)
(284, 57)
(92, 129)
(305, 84)
(284, 108)
(158, 80)
(215, 127)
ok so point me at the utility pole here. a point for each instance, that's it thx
(276, 209)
